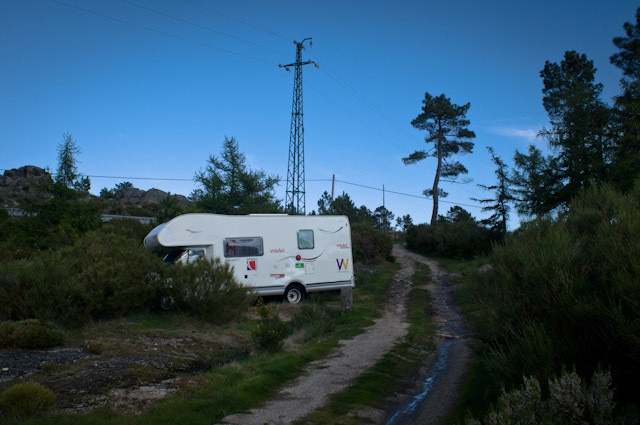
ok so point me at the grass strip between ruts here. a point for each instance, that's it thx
(390, 374)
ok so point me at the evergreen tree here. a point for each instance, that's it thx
(343, 205)
(403, 223)
(535, 182)
(383, 218)
(579, 133)
(446, 125)
(228, 186)
(324, 204)
(627, 105)
(67, 172)
(503, 196)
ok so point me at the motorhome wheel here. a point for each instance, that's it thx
(167, 302)
(294, 294)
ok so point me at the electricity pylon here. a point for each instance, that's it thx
(295, 197)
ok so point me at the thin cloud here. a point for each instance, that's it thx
(528, 134)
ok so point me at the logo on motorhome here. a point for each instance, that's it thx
(276, 251)
(251, 265)
(343, 245)
(342, 264)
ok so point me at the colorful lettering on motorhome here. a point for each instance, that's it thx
(342, 263)
(276, 251)
(276, 276)
(343, 245)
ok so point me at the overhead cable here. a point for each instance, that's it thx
(237, 20)
(200, 26)
(166, 34)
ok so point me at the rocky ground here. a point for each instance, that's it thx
(119, 365)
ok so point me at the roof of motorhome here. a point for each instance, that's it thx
(202, 229)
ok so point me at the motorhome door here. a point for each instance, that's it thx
(244, 253)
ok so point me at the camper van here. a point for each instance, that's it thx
(273, 254)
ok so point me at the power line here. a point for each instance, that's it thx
(405, 194)
(361, 98)
(356, 118)
(279, 181)
(237, 20)
(166, 34)
(200, 26)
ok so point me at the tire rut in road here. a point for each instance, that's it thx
(442, 373)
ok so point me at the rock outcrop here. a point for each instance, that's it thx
(138, 197)
(20, 183)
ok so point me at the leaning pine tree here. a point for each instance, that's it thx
(446, 124)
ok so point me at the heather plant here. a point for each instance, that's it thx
(101, 276)
(208, 289)
(570, 402)
(565, 292)
(29, 334)
(370, 245)
(463, 239)
(270, 331)
(26, 399)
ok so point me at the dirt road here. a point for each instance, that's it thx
(426, 401)
(441, 375)
(353, 357)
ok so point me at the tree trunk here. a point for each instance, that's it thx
(436, 180)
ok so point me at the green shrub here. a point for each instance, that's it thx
(370, 245)
(28, 399)
(566, 292)
(464, 239)
(208, 289)
(270, 331)
(29, 334)
(570, 402)
(102, 275)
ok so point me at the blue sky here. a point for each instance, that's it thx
(157, 101)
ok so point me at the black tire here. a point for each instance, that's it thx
(167, 302)
(294, 293)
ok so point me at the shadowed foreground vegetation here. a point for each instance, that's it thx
(564, 293)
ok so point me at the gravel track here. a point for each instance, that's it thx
(325, 377)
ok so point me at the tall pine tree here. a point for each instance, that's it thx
(627, 105)
(446, 125)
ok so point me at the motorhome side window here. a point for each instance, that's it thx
(243, 247)
(305, 239)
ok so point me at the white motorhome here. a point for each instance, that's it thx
(274, 254)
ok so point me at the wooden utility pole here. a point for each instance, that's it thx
(333, 185)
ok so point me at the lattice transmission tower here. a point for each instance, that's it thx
(295, 197)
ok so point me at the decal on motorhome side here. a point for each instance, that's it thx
(329, 231)
(342, 263)
(251, 264)
(193, 231)
(299, 257)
